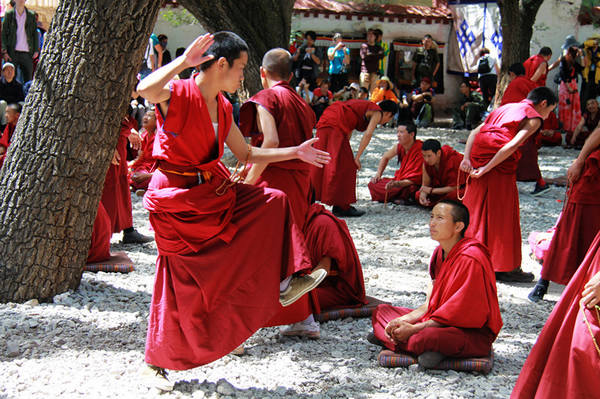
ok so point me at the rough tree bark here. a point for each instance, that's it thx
(263, 24)
(51, 182)
(518, 17)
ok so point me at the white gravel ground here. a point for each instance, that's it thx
(90, 343)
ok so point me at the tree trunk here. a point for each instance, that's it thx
(51, 182)
(518, 17)
(263, 24)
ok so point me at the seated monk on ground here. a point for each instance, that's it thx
(335, 184)
(528, 168)
(440, 173)
(579, 221)
(402, 187)
(550, 135)
(214, 286)
(460, 317)
(12, 114)
(278, 116)
(141, 167)
(589, 121)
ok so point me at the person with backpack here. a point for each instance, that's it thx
(487, 69)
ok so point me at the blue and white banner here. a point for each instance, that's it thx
(477, 25)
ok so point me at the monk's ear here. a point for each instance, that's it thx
(459, 226)
(263, 73)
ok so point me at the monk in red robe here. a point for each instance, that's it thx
(450, 323)
(278, 116)
(407, 179)
(100, 245)
(12, 114)
(335, 184)
(579, 221)
(528, 168)
(116, 196)
(537, 68)
(491, 157)
(440, 174)
(214, 286)
(142, 166)
(565, 360)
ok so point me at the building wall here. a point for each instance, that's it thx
(179, 36)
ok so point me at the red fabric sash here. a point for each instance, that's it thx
(411, 163)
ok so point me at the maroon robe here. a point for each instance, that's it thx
(294, 120)
(493, 199)
(100, 245)
(411, 168)
(145, 161)
(551, 125)
(564, 363)
(470, 325)
(215, 285)
(517, 90)
(335, 183)
(445, 175)
(5, 140)
(578, 224)
(116, 197)
(531, 64)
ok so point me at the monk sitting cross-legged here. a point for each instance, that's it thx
(460, 317)
(335, 184)
(278, 116)
(491, 157)
(141, 167)
(214, 287)
(440, 173)
(402, 187)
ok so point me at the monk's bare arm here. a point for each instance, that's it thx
(443, 190)
(266, 125)
(367, 135)
(591, 292)
(577, 130)
(465, 165)
(425, 187)
(389, 154)
(155, 87)
(541, 69)
(591, 143)
(246, 153)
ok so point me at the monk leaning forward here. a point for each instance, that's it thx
(214, 286)
(335, 184)
(451, 323)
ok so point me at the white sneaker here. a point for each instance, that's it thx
(302, 329)
(156, 377)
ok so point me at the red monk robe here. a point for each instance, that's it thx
(578, 224)
(411, 168)
(493, 199)
(328, 236)
(100, 245)
(294, 120)
(335, 183)
(5, 140)
(445, 175)
(550, 135)
(145, 161)
(472, 325)
(531, 65)
(214, 286)
(116, 197)
(564, 362)
(517, 90)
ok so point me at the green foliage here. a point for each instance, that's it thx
(178, 17)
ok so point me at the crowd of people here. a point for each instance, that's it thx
(202, 214)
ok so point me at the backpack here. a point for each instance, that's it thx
(484, 65)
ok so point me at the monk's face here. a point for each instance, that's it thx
(11, 116)
(149, 121)
(441, 223)
(592, 106)
(544, 109)
(432, 158)
(404, 137)
(232, 75)
(386, 117)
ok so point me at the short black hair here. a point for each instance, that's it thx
(364, 90)
(324, 81)
(431, 145)
(311, 34)
(162, 37)
(410, 127)
(227, 45)
(278, 61)
(459, 212)
(428, 36)
(15, 107)
(179, 51)
(545, 51)
(484, 51)
(378, 32)
(388, 106)
(540, 94)
(517, 68)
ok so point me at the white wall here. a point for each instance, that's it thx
(179, 36)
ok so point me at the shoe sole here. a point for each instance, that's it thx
(541, 192)
(318, 279)
(305, 334)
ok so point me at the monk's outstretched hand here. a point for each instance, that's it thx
(591, 292)
(194, 54)
(574, 171)
(309, 154)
